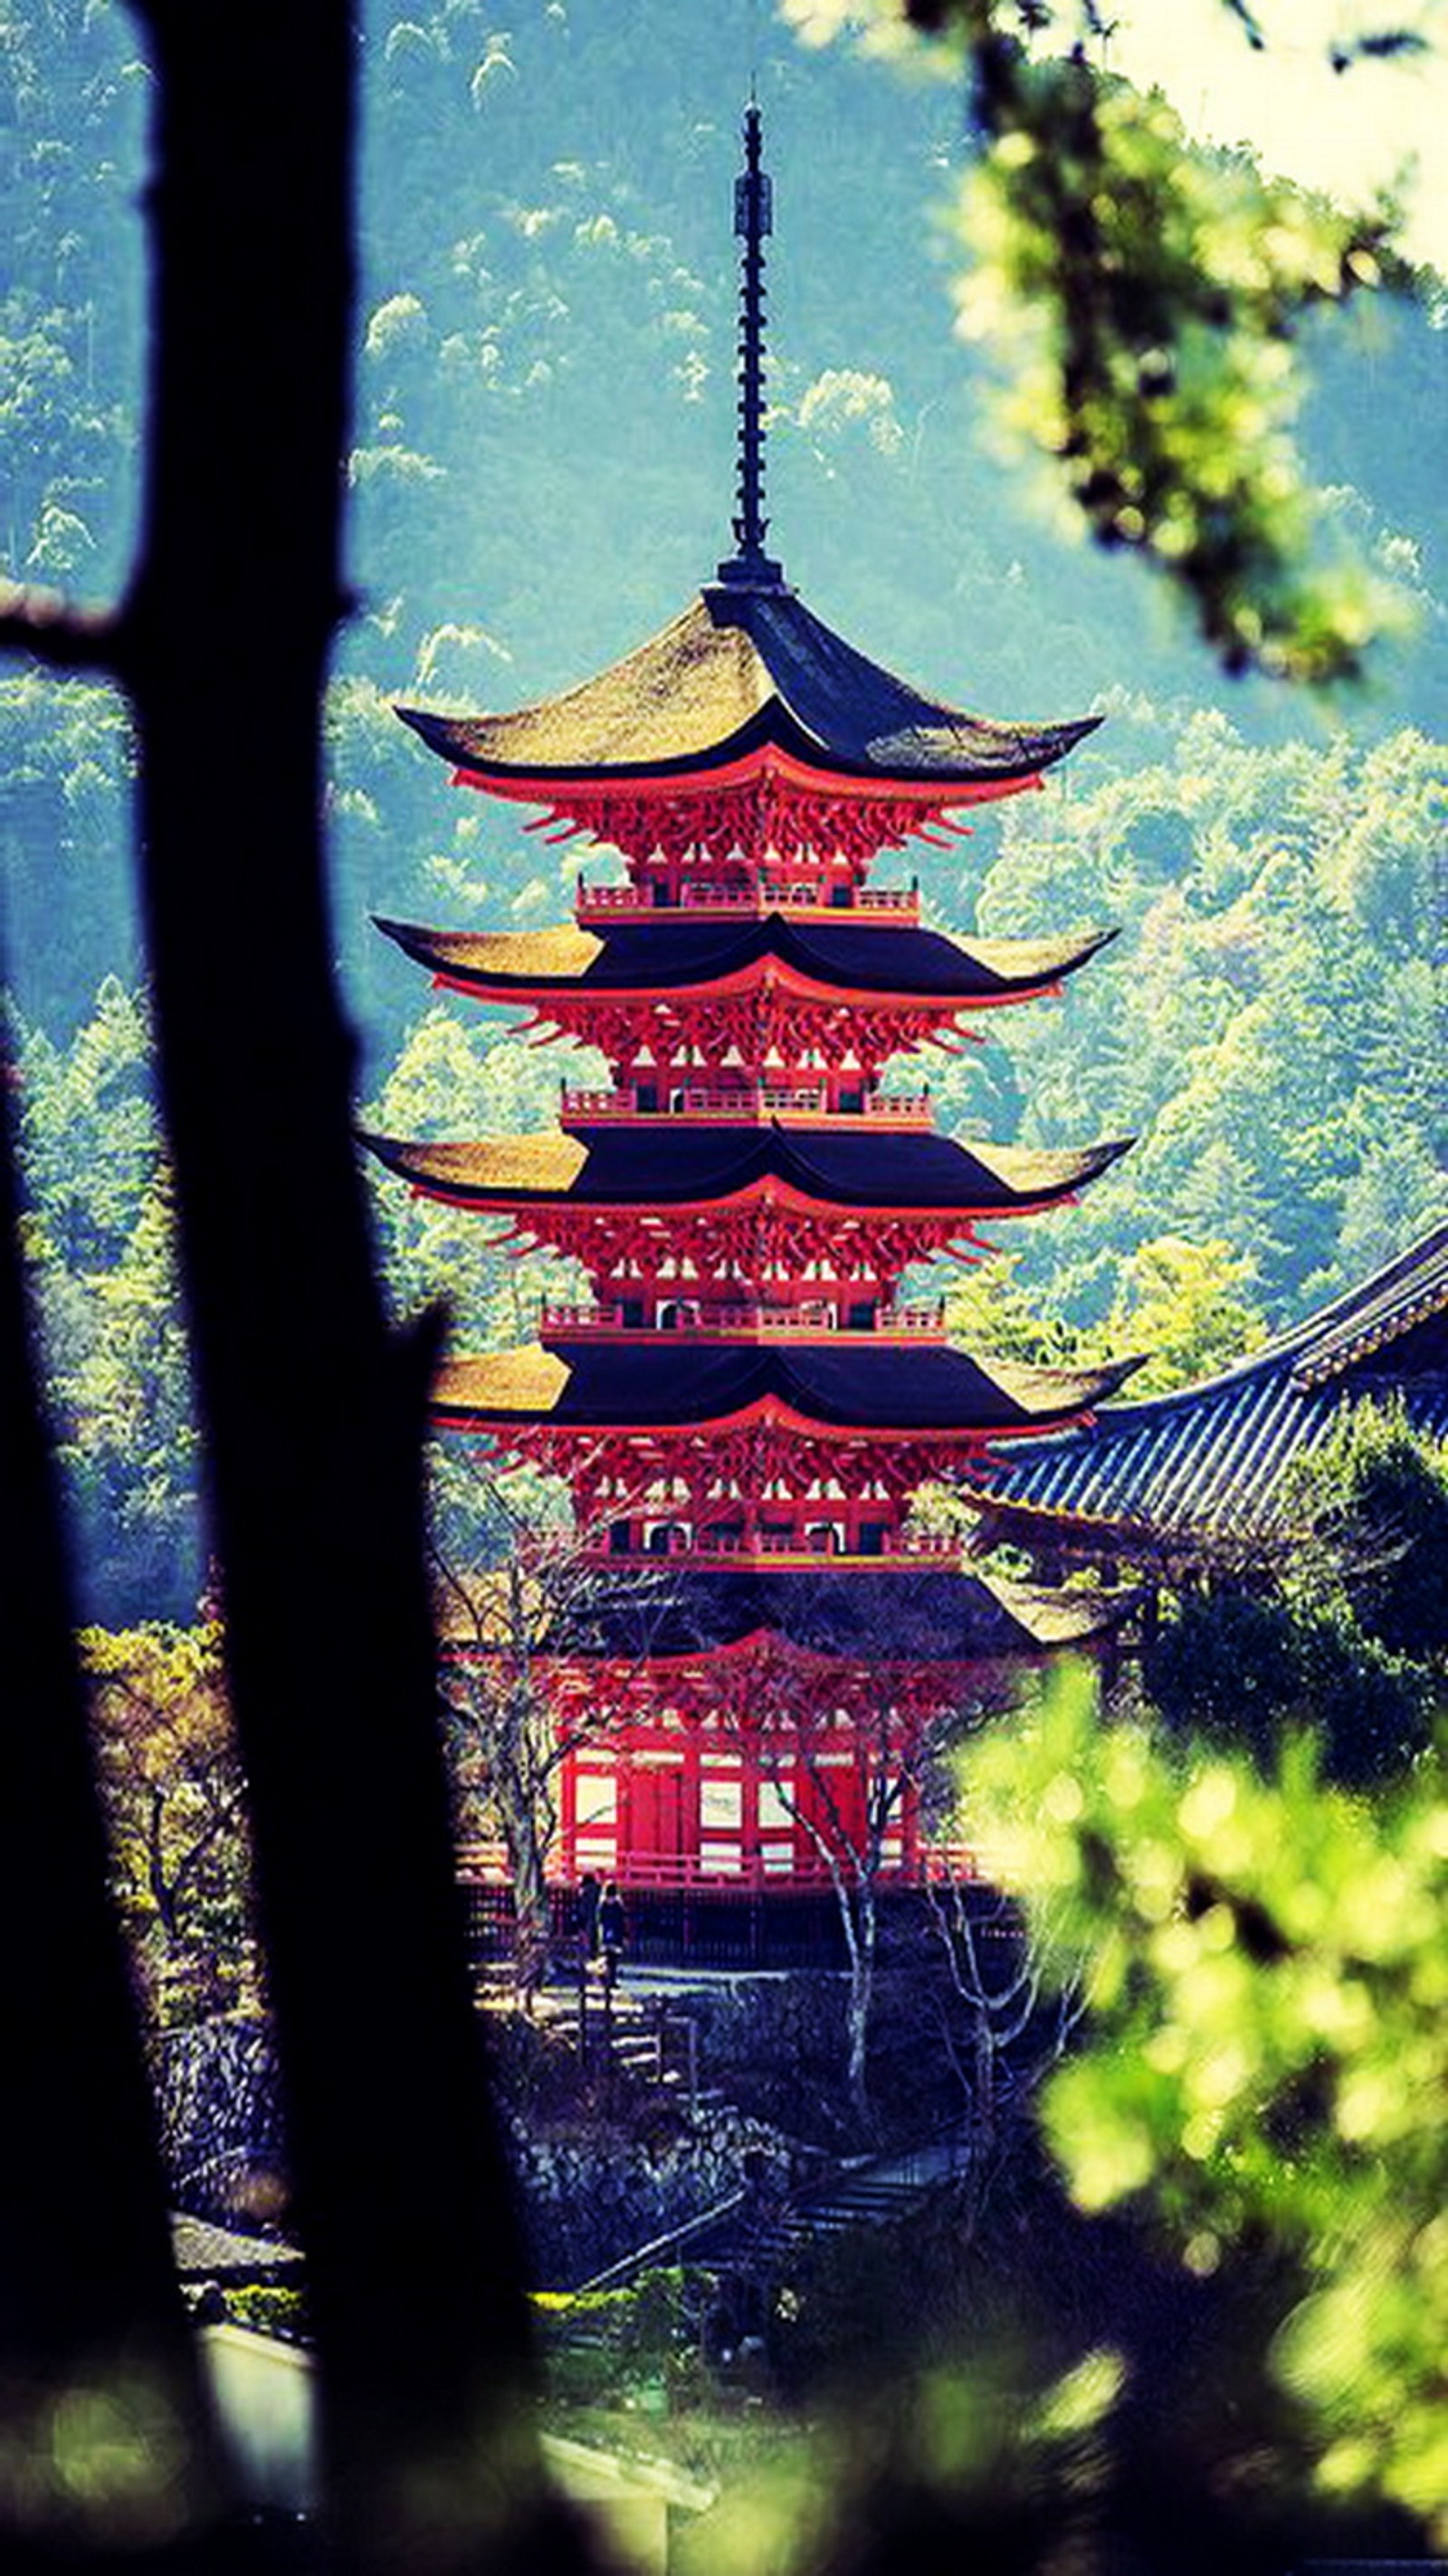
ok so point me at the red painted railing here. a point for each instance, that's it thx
(485, 1864)
(594, 901)
(906, 1549)
(744, 1101)
(805, 1322)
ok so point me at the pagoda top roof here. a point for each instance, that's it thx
(655, 1382)
(1213, 1458)
(879, 1614)
(664, 950)
(668, 1163)
(741, 670)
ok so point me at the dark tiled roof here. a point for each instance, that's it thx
(668, 952)
(1212, 1458)
(737, 670)
(206, 2252)
(668, 1162)
(658, 1380)
(1380, 1316)
(889, 1614)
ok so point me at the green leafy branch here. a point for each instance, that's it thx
(1150, 296)
(1268, 2058)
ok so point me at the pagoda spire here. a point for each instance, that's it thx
(751, 568)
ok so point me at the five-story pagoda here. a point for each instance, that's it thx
(745, 1395)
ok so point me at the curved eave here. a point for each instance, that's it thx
(527, 969)
(532, 1175)
(817, 1392)
(770, 743)
(1066, 1525)
(882, 1618)
(451, 1411)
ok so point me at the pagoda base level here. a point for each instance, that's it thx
(699, 1931)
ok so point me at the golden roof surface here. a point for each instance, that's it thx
(688, 688)
(1030, 1170)
(735, 669)
(526, 1380)
(551, 1161)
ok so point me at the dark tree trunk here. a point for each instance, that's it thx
(314, 1414)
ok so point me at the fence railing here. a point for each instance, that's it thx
(594, 901)
(745, 1102)
(484, 1864)
(805, 1321)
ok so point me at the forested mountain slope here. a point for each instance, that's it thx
(540, 476)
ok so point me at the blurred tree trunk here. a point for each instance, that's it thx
(313, 1411)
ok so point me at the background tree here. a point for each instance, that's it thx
(1333, 1621)
(849, 1806)
(174, 1796)
(1186, 1306)
(1245, 1664)
(507, 1733)
(517, 1584)
(1019, 2003)
(1372, 1499)
(851, 1818)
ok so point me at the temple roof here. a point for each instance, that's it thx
(656, 1381)
(664, 951)
(738, 671)
(890, 1614)
(1213, 1458)
(667, 1163)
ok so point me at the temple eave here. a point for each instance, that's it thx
(846, 1625)
(524, 1204)
(810, 1171)
(938, 1397)
(581, 794)
(877, 957)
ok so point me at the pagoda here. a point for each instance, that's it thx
(745, 1406)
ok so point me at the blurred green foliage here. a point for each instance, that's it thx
(1145, 296)
(1268, 2048)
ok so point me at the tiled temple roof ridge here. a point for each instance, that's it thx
(1213, 1456)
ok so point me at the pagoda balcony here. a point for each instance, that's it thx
(805, 1323)
(482, 1863)
(788, 1548)
(748, 1104)
(911, 1548)
(895, 904)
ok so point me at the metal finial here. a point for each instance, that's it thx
(753, 220)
